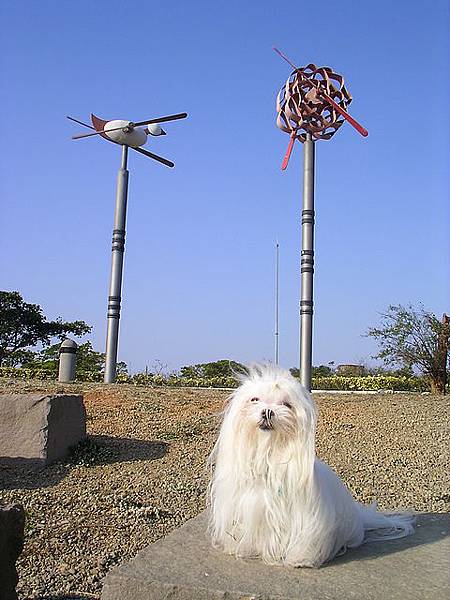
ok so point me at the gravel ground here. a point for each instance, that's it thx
(142, 473)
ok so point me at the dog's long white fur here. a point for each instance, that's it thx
(270, 497)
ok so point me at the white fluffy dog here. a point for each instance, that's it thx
(270, 497)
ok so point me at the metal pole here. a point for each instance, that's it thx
(115, 283)
(307, 264)
(277, 290)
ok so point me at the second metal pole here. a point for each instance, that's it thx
(115, 284)
(307, 264)
(277, 303)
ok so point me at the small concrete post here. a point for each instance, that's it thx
(67, 361)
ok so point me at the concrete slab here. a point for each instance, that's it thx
(183, 566)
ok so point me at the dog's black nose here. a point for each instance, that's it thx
(267, 414)
(266, 422)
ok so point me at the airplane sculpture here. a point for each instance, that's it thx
(129, 133)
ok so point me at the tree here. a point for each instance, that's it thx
(351, 370)
(413, 337)
(220, 368)
(320, 371)
(23, 325)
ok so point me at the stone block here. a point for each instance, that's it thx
(12, 524)
(38, 429)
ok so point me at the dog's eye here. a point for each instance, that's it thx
(254, 400)
(287, 405)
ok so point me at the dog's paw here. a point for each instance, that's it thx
(306, 564)
(303, 562)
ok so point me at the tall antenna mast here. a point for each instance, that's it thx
(277, 297)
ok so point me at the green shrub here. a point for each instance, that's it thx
(46, 374)
(371, 383)
(35, 373)
(334, 382)
(177, 381)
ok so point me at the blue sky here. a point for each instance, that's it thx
(200, 252)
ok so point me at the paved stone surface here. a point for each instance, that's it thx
(183, 566)
(12, 523)
(37, 429)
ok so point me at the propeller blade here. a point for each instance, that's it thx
(359, 128)
(287, 156)
(161, 119)
(80, 122)
(84, 135)
(132, 125)
(160, 159)
(285, 58)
